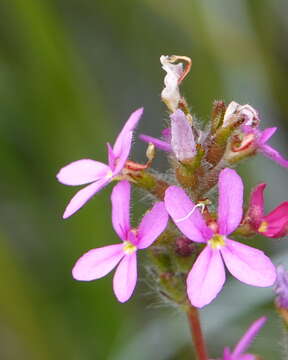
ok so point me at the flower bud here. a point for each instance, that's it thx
(184, 247)
(236, 111)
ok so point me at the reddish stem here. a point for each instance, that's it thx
(196, 332)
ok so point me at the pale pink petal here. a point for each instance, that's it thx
(274, 155)
(152, 225)
(206, 278)
(120, 209)
(266, 134)
(230, 203)
(82, 196)
(182, 141)
(125, 278)
(129, 126)
(82, 172)
(185, 215)
(160, 144)
(248, 337)
(97, 263)
(248, 264)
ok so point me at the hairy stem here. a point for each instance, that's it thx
(197, 335)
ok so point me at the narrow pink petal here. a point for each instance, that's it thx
(125, 278)
(206, 278)
(246, 357)
(152, 225)
(266, 134)
(277, 221)
(82, 196)
(248, 264)
(230, 201)
(160, 144)
(129, 126)
(123, 154)
(274, 155)
(82, 172)
(185, 215)
(120, 209)
(111, 157)
(97, 263)
(248, 337)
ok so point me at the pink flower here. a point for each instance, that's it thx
(87, 171)
(97, 263)
(244, 343)
(258, 140)
(207, 275)
(273, 225)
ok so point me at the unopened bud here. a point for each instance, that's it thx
(184, 247)
(217, 115)
(235, 111)
(150, 152)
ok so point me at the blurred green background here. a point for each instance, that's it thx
(70, 74)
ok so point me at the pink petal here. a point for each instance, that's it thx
(248, 264)
(82, 172)
(274, 155)
(125, 278)
(256, 206)
(111, 157)
(206, 278)
(97, 263)
(185, 215)
(230, 201)
(83, 196)
(182, 141)
(129, 126)
(152, 225)
(120, 209)
(248, 337)
(266, 134)
(160, 144)
(124, 153)
(277, 221)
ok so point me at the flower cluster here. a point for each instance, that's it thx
(200, 158)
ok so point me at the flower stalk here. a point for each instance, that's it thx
(196, 332)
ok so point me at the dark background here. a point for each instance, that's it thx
(71, 72)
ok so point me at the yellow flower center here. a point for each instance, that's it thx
(263, 227)
(109, 174)
(129, 248)
(217, 241)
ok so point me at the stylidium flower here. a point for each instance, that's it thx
(207, 275)
(97, 263)
(257, 140)
(239, 351)
(274, 224)
(95, 173)
(170, 94)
